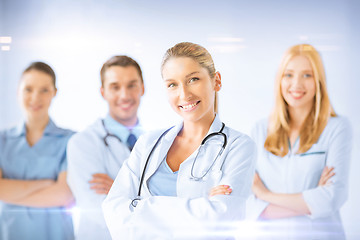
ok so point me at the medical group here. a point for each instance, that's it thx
(199, 179)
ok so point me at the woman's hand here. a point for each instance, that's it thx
(220, 190)
(101, 183)
(258, 187)
(326, 174)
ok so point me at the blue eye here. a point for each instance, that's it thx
(307, 75)
(287, 75)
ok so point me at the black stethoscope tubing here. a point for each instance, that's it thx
(108, 134)
(220, 133)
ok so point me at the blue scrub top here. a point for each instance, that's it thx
(44, 160)
(163, 181)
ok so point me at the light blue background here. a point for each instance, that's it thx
(246, 39)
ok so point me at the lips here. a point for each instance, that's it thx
(189, 106)
(125, 106)
(297, 94)
(35, 107)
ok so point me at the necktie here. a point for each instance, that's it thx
(131, 141)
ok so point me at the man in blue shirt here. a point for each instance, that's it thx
(96, 154)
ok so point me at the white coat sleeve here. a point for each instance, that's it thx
(84, 159)
(324, 201)
(254, 205)
(174, 215)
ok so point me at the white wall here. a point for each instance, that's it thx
(246, 39)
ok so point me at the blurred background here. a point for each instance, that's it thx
(245, 38)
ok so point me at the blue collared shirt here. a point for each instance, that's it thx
(120, 130)
(44, 160)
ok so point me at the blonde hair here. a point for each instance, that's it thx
(198, 54)
(311, 129)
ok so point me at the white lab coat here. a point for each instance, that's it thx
(87, 154)
(192, 214)
(300, 173)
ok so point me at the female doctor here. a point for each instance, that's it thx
(163, 189)
(303, 155)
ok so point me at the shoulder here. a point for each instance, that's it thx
(236, 138)
(95, 128)
(14, 133)
(240, 150)
(64, 132)
(10, 132)
(339, 121)
(259, 130)
(261, 125)
(337, 125)
(90, 134)
(53, 130)
(153, 135)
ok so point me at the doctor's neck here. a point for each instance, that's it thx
(128, 122)
(36, 124)
(298, 116)
(197, 129)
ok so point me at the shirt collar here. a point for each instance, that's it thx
(20, 130)
(50, 129)
(216, 126)
(121, 131)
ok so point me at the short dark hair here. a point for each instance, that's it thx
(42, 67)
(122, 61)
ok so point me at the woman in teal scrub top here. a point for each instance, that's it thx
(33, 188)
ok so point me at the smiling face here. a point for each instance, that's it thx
(298, 84)
(122, 90)
(190, 89)
(36, 91)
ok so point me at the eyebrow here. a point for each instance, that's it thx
(190, 74)
(290, 70)
(133, 81)
(130, 82)
(187, 76)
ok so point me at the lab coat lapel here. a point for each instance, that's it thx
(216, 125)
(160, 152)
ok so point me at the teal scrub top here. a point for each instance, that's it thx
(44, 160)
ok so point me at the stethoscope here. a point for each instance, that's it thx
(135, 201)
(108, 134)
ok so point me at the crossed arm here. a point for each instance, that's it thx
(284, 205)
(36, 193)
(101, 183)
(281, 205)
